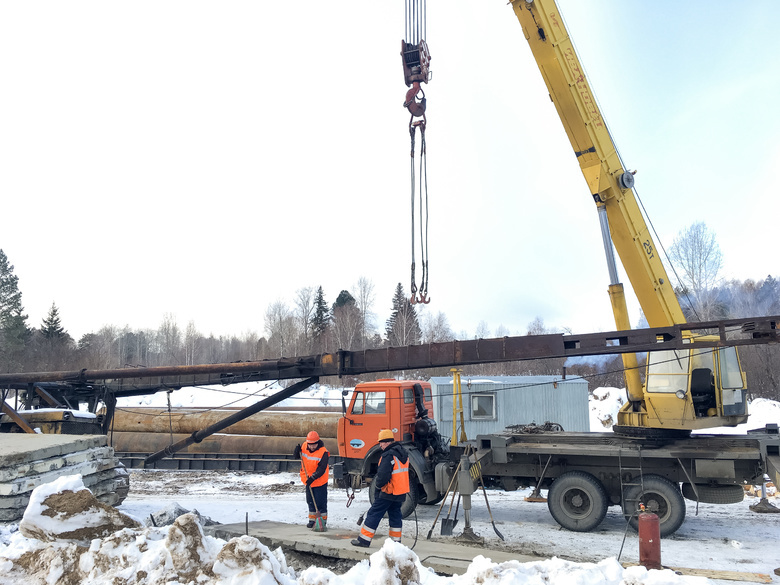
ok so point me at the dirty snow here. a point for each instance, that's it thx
(66, 537)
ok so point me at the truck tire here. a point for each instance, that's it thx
(714, 494)
(412, 498)
(577, 501)
(661, 497)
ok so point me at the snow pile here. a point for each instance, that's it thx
(604, 404)
(62, 539)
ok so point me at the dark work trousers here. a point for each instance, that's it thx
(320, 498)
(375, 515)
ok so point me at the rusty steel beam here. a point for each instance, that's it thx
(14, 416)
(140, 381)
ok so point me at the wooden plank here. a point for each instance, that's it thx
(716, 574)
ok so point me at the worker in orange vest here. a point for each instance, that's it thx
(314, 475)
(392, 481)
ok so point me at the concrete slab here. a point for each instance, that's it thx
(16, 448)
(446, 558)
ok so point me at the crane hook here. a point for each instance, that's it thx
(416, 108)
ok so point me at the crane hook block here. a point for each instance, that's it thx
(416, 61)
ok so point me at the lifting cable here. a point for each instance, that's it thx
(416, 62)
(423, 214)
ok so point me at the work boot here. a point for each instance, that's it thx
(360, 542)
(310, 524)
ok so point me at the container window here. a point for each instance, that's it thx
(483, 406)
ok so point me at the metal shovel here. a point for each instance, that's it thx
(447, 525)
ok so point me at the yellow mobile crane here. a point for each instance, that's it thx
(683, 390)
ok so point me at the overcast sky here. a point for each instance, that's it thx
(205, 159)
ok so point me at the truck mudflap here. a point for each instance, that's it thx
(425, 475)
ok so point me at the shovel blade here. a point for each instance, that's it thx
(447, 526)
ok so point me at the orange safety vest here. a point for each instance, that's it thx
(399, 480)
(309, 463)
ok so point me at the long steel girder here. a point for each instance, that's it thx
(139, 381)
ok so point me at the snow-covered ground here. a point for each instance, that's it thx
(717, 537)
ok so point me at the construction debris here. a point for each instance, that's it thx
(28, 461)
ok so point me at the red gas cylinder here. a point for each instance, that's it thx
(649, 541)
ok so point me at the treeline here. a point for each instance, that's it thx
(309, 324)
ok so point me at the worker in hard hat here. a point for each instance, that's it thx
(314, 474)
(392, 484)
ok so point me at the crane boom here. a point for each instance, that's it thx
(683, 390)
(609, 182)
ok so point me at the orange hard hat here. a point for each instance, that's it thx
(385, 435)
(312, 437)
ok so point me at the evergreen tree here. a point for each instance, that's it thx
(320, 322)
(321, 314)
(403, 327)
(51, 327)
(345, 298)
(13, 323)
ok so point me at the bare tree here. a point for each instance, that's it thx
(364, 297)
(192, 343)
(696, 258)
(281, 329)
(483, 331)
(304, 313)
(435, 328)
(169, 340)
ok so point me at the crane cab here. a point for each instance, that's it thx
(690, 389)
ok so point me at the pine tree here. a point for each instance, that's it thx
(13, 323)
(403, 327)
(321, 319)
(51, 327)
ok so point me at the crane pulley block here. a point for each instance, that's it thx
(416, 61)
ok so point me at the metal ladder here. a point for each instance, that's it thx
(637, 479)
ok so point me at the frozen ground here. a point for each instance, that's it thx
(717, 537)
(720, 537)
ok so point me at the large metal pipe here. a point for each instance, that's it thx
(183, 420)
(198, 436)
(141, 442)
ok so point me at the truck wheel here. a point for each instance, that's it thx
(661, 497)
(714, 494)
(412, 498)
(577, 501)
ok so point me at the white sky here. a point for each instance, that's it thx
(205, 159)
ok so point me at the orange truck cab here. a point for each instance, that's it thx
(403, 406)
